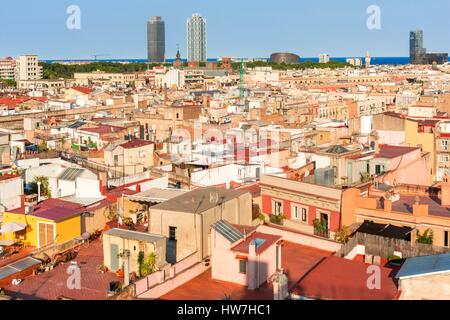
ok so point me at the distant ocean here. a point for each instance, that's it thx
(374, 61)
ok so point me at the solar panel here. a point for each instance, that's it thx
(18, 266)
(70, 174)
(230, 233)
(25, 263)
(6, 272)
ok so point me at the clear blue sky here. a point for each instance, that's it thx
(238, 28)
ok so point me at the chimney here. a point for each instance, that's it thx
(252, 267)
(420, 210)
(387, 205)
(445, 190)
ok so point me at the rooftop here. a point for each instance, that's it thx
(199, 200)
(52, 284)
(136, 144)
(341, 279)
(53, 209)
(406, 202)
(83, 90)
(390, 152)
(297, 260)
(8, 176)
(70, 174)
(157, 195)
(134, 235)
(103, 129)
(262, 242)
(420, 266)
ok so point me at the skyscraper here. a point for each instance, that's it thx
(196, 38)
(418, 54)
(416, 49)
(156, 37)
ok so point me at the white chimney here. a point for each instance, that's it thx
(39, 191)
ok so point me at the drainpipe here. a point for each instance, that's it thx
(126, 267)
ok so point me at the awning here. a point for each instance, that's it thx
(12, 227)
(386, 230)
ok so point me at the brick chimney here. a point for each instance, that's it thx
(445, 190)
(420, 210)
(387, 205)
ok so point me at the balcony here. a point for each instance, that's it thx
(321, 228)
(322, 233)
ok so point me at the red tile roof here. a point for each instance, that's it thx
(136, 144)
(83, 90)
(8, 176)
(390, 152)
(296, 260)
(103, 129)
(341, 279)
(53, 209)
(12, 103)
(52, 284)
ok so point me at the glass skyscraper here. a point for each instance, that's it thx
(196, 38)
(156, 40)
(418, 54)
(416, 49)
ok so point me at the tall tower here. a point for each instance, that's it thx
(156, 37)
(416, 49)
(368, 59)
(196, 38)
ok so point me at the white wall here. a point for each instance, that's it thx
(87, 188)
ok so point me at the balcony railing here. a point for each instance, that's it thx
(322, 233)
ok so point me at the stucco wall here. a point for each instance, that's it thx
(433, 287)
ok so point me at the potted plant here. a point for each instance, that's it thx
(120, 273)
(261, 217)
(102, 268)
(320, 227)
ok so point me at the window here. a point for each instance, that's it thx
(173, 233)
(446, 239)
(243, 266)
(443, 157)
(277, 207)
(304, 215)
(379, 169)
(300, 213)
(444, 144)
(295, 212)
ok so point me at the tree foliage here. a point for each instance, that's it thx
(45, 188)
(66, 71)
(343, 234)
(147, 265)
(426, 237)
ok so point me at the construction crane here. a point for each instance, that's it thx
(95, 56)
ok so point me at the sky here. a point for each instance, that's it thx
(236, 28)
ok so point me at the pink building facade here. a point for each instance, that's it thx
(242, 255)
